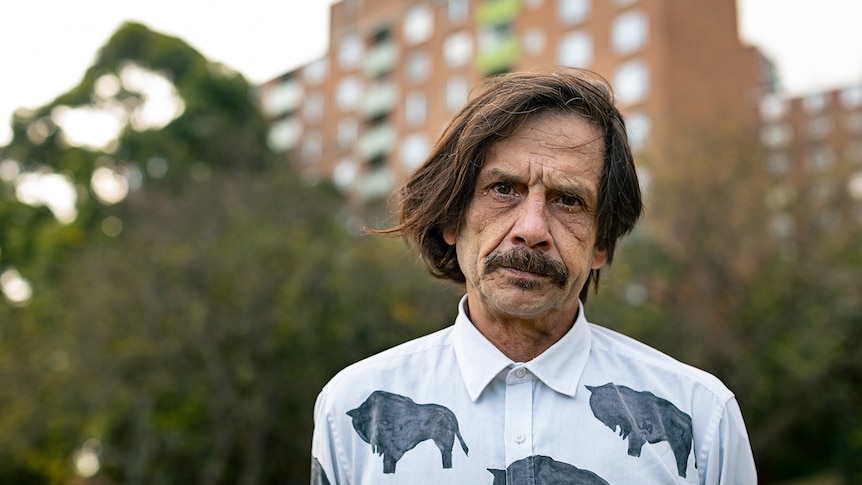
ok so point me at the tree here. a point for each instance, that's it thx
(705, 281)
(183, 334)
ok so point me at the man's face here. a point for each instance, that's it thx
(527, 241)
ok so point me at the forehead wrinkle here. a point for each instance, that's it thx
(546, 123)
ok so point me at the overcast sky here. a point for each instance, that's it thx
(46, 46)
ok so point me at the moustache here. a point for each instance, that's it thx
(529, 261)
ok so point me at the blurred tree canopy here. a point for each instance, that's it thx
(778, 320)
(189, 346)
(181, 334)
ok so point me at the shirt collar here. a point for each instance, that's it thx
(560, 367)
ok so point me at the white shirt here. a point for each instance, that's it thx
(596, 407)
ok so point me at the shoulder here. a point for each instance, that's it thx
(397, 367)
(649, 364)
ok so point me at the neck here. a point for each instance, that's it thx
(522, 339)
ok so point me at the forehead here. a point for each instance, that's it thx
(563, 140)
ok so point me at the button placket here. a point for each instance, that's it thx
(519, 415)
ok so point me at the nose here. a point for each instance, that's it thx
(531, 229)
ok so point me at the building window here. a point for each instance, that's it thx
(776, 135)
(780, 196)
(457, 11)
(853, 152)
(814, 103)
(347, 132)
(350, 51)
(457, 91)
(418, 66)
(819, 128)
(778, 163)
(312, 147)
(313, 108)
(315, 72)
(576, 50)
(415, 109)
(773, 107)
(638, 127)
(851, 97)
(458, 49)
(631, 82)
(418, 24)
(573, 11)
(534, 41)
(629, 32)
(414, 149)
(348, 93)
(284, 134)
(853, 123)
(344, 173)
(820, 158)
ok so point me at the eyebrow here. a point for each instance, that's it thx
(567, 186)
(501, 176)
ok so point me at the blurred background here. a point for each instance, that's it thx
(184, 187)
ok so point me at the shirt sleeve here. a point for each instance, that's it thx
(729, 459)
(323, 446)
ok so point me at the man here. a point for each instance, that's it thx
(523, 200)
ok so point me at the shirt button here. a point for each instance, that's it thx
(519, 437)
(521, 372)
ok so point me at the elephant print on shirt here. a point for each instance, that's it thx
(544, 470)
(644, 418)
(394, 424)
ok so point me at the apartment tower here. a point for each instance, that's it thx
(370, 109)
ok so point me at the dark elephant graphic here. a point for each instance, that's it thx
(318, 476)
(394, 425)
(544, 470)
(644, 418)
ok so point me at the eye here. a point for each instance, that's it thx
(570, 200)
(502, 188)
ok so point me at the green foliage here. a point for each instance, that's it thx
(203, 333)
(219, 127)
(778, 320)
(193, 344)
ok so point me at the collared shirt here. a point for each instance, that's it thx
(597, 407)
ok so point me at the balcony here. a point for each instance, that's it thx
(376, 184)
(284, 134)
(497, 12)
(380, 59)
(377, 142)
(501, 57)
(380, 98)
(282, 98)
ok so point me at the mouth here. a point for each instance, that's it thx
(525, 280)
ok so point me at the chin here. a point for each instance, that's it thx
(524, 302)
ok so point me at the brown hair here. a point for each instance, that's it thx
(437, 193)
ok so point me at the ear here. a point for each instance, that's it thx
(600, 257)
(450, 235)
